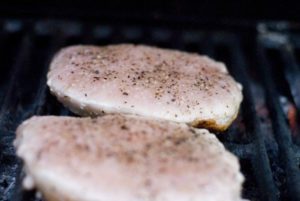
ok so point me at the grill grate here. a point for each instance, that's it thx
(264, 58)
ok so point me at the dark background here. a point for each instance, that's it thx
(189, 10)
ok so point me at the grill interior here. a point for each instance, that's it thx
(264, 57)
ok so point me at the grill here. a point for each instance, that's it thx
(264, 57)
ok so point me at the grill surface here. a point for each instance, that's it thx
(264, 57)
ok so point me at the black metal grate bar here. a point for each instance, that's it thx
(280, 127)
(259, 158)
(292, 71)
(10, 99)
(8, 109)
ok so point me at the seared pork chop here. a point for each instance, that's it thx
(125, 158)
(147, 81)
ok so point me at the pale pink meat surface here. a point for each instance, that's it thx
(146, 81)
(125, 158)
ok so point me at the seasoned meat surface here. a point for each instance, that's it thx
(117, 157)
(146, 81)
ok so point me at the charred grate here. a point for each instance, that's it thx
(264, 58)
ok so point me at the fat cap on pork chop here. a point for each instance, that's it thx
(146, 81)
(116, 157)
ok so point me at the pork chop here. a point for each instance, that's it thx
(147, 81)
(126, 158)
